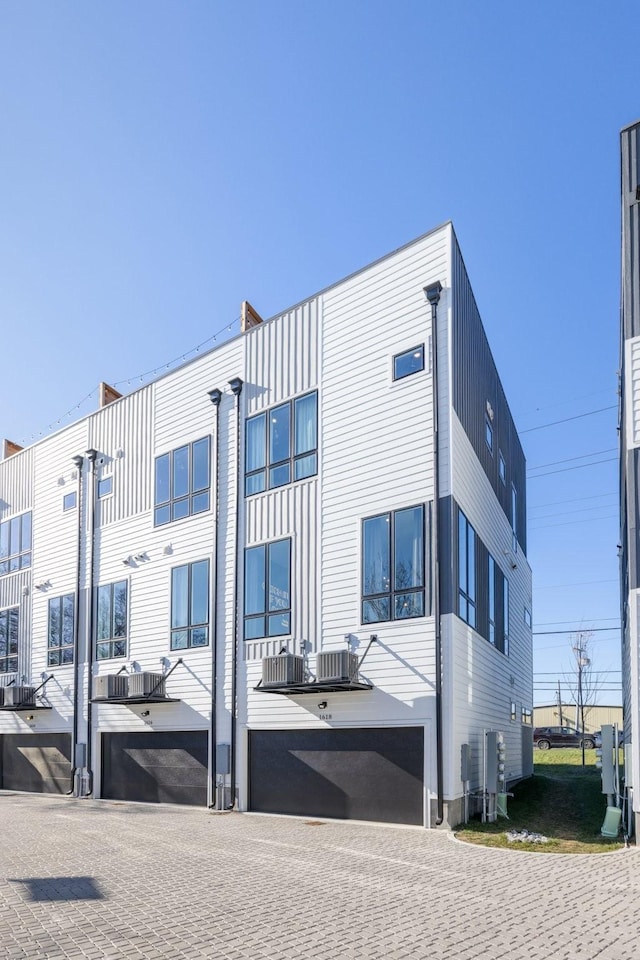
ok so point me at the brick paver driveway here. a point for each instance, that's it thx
(111, 880)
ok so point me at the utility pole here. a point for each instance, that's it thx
(560, 705)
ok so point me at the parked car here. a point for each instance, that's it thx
(598, 737)
(546, 737)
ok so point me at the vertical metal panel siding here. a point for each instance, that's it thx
(476, 381)
(282, 357)
(630, 307)
(16, 483)
(630, 143)
(126, 426)
(289, 512)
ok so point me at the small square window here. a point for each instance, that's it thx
(502, 467)
(69, 501)
(105, 486)
(404, 364)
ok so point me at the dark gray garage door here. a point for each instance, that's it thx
(359, 774)
(163, 767)
(38, 762)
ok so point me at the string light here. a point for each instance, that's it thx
(141, 377)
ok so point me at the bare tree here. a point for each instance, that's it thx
(582, 682)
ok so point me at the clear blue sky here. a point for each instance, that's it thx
(161, 161)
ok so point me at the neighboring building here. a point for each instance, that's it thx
(630, 451)
(595, 716)
(239, 532)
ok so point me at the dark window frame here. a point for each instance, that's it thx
(10, 624)
(272, 474)
(413, 352)
(267, 614)
(395, 593)
(60, 653)
(193, 626)
(113, 646)
(196, 500)
(502, 468)
(488, 433)
(105, 487)
(14, 558)
(468, 577)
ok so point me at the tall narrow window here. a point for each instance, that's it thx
(505, 618)
(111, 626)
(182, 481)
(15, 543)
(281, 445)
(393, 568)
(9, 640)
(190, 605)
(514, 517)
(267, 590)
(488, 433)
(60, 630)
(492, 600)
(466, 570)
(502, 467)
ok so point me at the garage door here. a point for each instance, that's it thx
(37, 762)
(358, 774)
(163, 767)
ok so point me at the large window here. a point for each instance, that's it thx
(182, 481)
(111, 632)
(466, 570)
(267, 590)
(9, 640)
(190, 605)
(60, 630)
(393, 568)
(15, 543)
(281, 445)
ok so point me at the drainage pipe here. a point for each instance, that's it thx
(236, 388)
(433, 292)
(91, 506)
(215, 396)
(79, 463)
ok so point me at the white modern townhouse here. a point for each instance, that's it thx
(630, 460)
(289, 576)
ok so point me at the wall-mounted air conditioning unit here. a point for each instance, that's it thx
(19, 696)
(336, 665)
(145, 684)
(281, 669)
(111, 686)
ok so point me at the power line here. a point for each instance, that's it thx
(553, 633)
(551, 623)
(557, 503)
(546, 526)
(578, 583)
(578, 416)
(596, 453)
(563, 513)
(579, 466)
